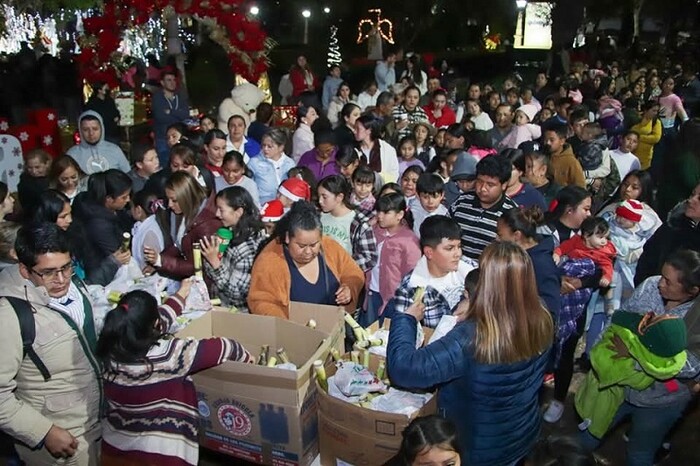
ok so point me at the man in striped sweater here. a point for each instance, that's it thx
(477, 212)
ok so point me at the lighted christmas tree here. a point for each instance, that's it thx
(334, 57)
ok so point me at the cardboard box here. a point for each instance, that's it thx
(329, 320)
(360, 436)
(261, 414)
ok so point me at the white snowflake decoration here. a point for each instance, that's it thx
(23, 136)
(51, 117)
(48, 140)
(4, 126)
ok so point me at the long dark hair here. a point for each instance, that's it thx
(49, 206)
(111, 183)
(373, 125)
(249, 224)
(129, 332)
(525, 220)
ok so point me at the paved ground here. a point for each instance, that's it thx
(684, 440)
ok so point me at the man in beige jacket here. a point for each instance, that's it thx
(54, 421)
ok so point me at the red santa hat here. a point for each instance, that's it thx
(631, 210)
(272, 211)
(295, 189)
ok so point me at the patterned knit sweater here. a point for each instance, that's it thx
(152, 409)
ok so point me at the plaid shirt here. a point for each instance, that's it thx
(232, 278)
(573, 304)
(437, 303)
(364, 244)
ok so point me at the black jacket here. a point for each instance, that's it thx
(679, 232)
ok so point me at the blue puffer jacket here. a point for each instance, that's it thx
(495, 407)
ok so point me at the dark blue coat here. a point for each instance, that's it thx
(495, 407)
(547, 274)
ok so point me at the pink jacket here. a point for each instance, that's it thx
(520, 134)
(399, 254)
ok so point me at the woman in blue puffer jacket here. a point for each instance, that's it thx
(490, 367)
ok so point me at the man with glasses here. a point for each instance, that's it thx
(50, 407)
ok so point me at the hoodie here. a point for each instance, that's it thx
(547, 274)
(95, 158)
(567, 169)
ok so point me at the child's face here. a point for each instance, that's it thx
(445, 256)
(173, 137)
(625, 223)
(512, 98)
(390, 219)
(546, 114)
(408, 151)
(466, 185)
(286, 202)
(150, 163)
(36, 167)
(207, 125)
(362, 190)
(553, 142)
(430, 201)
(629, 143)
(408, 184)
(440, 139)
(348, 170)
(596, 241)
(521, 118)
(421, 133)
(535, 170)
(437, 456)
(328, 201)
(232, 172)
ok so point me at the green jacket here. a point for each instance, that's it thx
(603, 390)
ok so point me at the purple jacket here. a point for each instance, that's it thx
(320, 171)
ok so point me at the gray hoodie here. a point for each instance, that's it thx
(98, 157)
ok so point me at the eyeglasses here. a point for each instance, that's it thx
(65, 272)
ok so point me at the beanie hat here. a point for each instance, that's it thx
(631, 210)
(295, 189)
(528, 109)
(664, 336)
(272, 211)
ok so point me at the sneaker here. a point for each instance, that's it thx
(554, 411)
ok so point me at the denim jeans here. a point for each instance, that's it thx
(649, 427)
(371, 314)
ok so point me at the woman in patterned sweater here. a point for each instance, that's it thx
(230, 270)
(152, 416)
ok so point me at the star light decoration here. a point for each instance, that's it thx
(369, 26)
(23, 136)
(4, 126)
(48, 140)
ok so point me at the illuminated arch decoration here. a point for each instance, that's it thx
(244, 41)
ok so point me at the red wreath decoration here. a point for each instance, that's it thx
(244, 41)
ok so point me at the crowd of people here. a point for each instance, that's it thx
(534, 212)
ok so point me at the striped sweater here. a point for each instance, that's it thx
(153, 419)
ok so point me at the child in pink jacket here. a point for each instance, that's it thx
(399, 250)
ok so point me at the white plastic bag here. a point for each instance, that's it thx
(355, 379)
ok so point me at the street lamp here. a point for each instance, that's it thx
(521, 5)
(306, 14)
(254, 10)
(326, 10)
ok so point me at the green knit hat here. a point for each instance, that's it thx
(664, 338)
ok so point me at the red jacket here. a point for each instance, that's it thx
(296, 77)
(575, 248)
(178, 263)
(448, 116)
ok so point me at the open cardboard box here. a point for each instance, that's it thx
(261, 414)
(354, 435)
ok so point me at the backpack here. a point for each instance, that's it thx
(25, 316)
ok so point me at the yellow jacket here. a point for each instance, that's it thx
(649, 134)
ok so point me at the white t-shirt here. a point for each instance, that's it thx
(625, 162)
